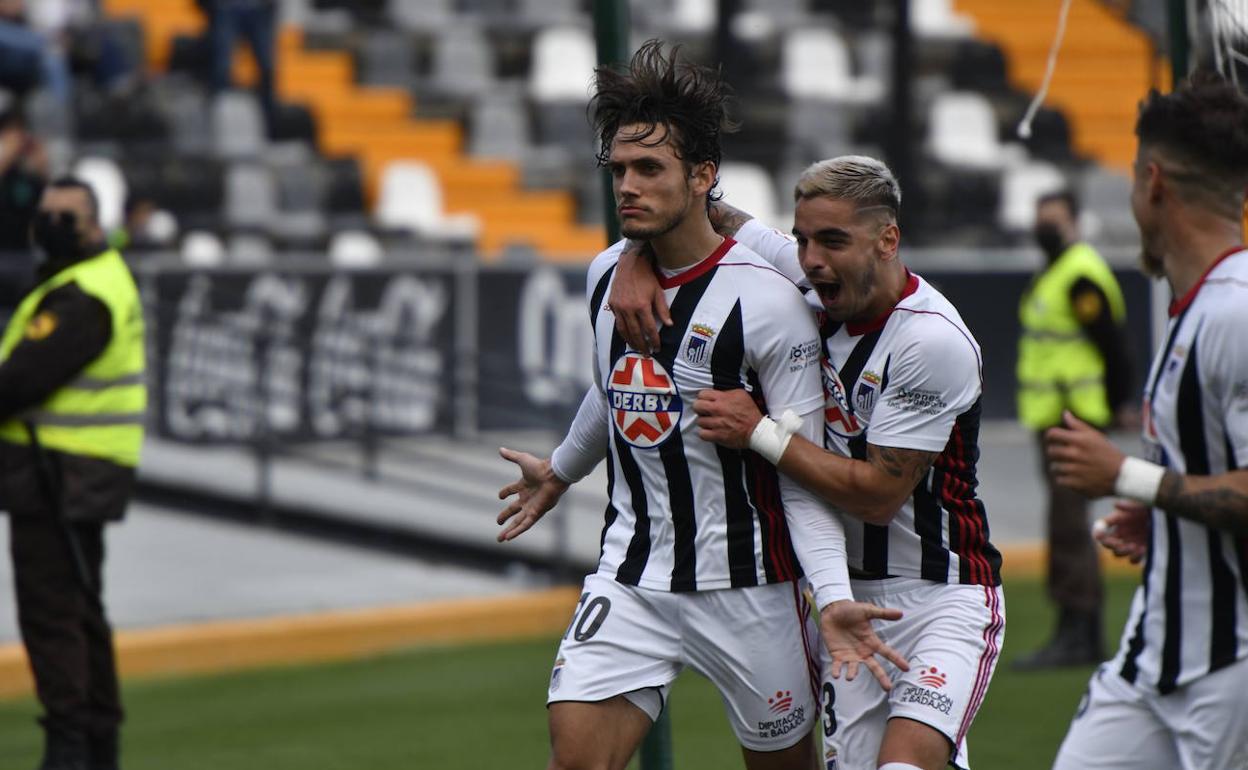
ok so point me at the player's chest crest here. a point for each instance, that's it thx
(847, 410)
(645, 404)
(696, 351)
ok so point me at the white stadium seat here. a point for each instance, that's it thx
(750, 188)
(962, 131)
(1021, 187)
(563, 58)
(109, 185)
(411, 199)
(355, 249)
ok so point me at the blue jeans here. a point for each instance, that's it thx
(256, 24)
(26, 59)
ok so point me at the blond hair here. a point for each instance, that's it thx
(865, 181)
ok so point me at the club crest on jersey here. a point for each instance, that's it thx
(865, 393)
(699, 344)
(837, 412)
(645, 407)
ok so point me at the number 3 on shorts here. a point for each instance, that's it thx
(588, 618)
(829, 715)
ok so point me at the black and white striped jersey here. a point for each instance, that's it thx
(1190, 614)
(911, 379)
(685, 514)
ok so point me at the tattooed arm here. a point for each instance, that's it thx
(872, 490)
(1085, 460)
(1218, 501)
(727, 220)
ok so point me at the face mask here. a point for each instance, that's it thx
(1050, 239)
(57, 235)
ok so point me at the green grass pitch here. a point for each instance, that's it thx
(481, 706)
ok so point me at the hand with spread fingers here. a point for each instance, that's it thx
(636, 299)
(852, 641)
(1125, 531)
(726, 417)
(537, 491)
(1082, 458)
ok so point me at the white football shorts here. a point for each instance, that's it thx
(1199, 726)
(758, 646)
(951, 635)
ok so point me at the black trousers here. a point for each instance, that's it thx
(67, 636)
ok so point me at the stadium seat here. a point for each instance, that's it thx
(301, 202)
(962, 131)
(937, 19)
(1021, 186)
(238, 126)
(750, 188)
(500, 128)
(386, 58)
(563, 57)
(693, 17)
(249, 250)
(184, 104)
(1106, 198)
(463, 62)
(815, 64)
(411, 199)
(355, 249)
(110, 188)
(427, 16)
(202, 249)
(545, 13)
(250, 196)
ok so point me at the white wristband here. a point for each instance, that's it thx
(771, 437)
(1139, 480)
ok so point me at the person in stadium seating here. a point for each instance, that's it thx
(1072, 355)
(72, 401)
(703, 548)
(256, 22)
(1176, 694)
(902, 378)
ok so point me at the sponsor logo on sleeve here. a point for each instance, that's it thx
(918, 401)
(803, 355)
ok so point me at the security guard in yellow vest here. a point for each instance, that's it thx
(72, 402)
(1072, 355)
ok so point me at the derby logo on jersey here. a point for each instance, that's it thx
(699, 344)
(837, 412)
(645, 407)
(865, 393)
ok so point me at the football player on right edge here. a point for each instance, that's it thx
(1176, 694)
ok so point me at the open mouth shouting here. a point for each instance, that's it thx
(828, 291)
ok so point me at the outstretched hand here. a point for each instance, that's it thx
(1082, 458)
(537, 491)
(851, 640)
(636, 298)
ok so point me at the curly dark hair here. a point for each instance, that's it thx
(662, 89)
(1203, 125)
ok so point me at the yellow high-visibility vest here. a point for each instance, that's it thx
(1059, 367)
(100, 413)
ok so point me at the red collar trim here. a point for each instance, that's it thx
(866, 327)
(697, 270)
(1180, 304)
